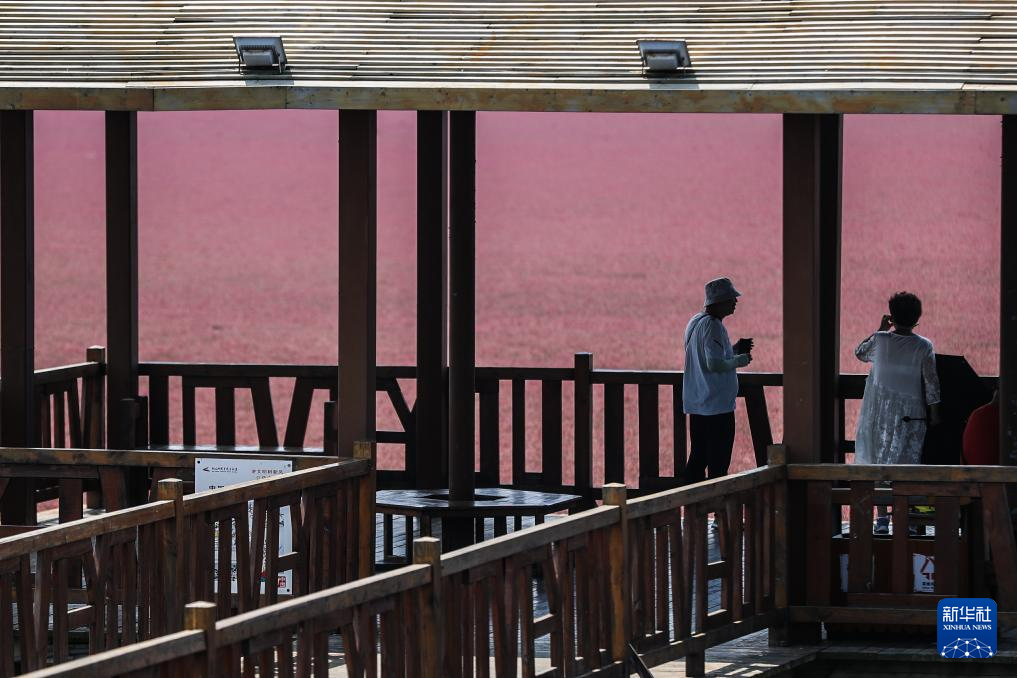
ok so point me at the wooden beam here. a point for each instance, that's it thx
(17, 303)
(432, 294)
(1008, 296)
(462, 346)
(812, 183)
(357, 277)
(121, 271)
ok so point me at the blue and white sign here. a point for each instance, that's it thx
(967, 628)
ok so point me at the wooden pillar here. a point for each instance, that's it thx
(357, 277)
(432, 305)
(17, 303)
(812, 206)
(121, 273)
(1008, 296)
(462, 346)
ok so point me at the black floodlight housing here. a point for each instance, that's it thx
(661, 57)
(257, 53)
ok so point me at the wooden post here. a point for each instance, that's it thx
(121, 270)
(172, 543)
(458, 532)
(777, 456)
(365, 509)
(200, 616)
(812, 160)
(617, 544)
(17, 304)
(358, 257)
(1008, 296)
(95, 401)
(584, 425)
(427, 551)
(431, 411)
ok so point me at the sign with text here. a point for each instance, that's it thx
(213, 473)
(966, 628)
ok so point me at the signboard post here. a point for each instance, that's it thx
(211, 473)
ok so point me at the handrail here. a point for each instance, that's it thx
(178, 369)
(706, 490)
(522, 541)
(13, 456)
(322, 603)
(84, 528)
(131, 657)
(288, 482)
(902, 473)
(49, 375)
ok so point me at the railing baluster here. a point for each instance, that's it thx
(490, 449)
(614, 433)
(518, 431)
(550, 426)
(649, 434)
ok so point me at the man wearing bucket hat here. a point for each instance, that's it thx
(710, 385)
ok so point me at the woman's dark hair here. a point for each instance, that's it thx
(905, 308)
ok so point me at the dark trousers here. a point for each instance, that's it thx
(712, 441)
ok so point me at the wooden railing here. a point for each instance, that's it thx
(114, 472)
(856, 577)
(69, 412)
(126, 575)
(154, 427)
(622, 576)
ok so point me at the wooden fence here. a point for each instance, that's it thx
(855, 576)
(627, 583)
(627, 573)
(570, 399)
(125, 576)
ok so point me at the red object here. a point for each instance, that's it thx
(981, 436)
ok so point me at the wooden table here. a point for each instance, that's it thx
(498, 503)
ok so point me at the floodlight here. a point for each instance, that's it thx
(664, 56)
(260, 52)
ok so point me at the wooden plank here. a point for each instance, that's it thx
(490, 445)
(649, 432)
(947, 580)
(550, 433)
(759, 422)
(902, 572)
(906, 473)
(680, 431)
(999, 533)
(264, 413)
(583, 421)
(518, 431)
(819, 546)
(860, 549)
(225, 416)
(614, 433)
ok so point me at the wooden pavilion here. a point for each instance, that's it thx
(811, 60)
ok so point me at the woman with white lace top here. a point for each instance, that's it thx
(901, 392)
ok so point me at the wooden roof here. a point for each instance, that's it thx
(922, 56)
